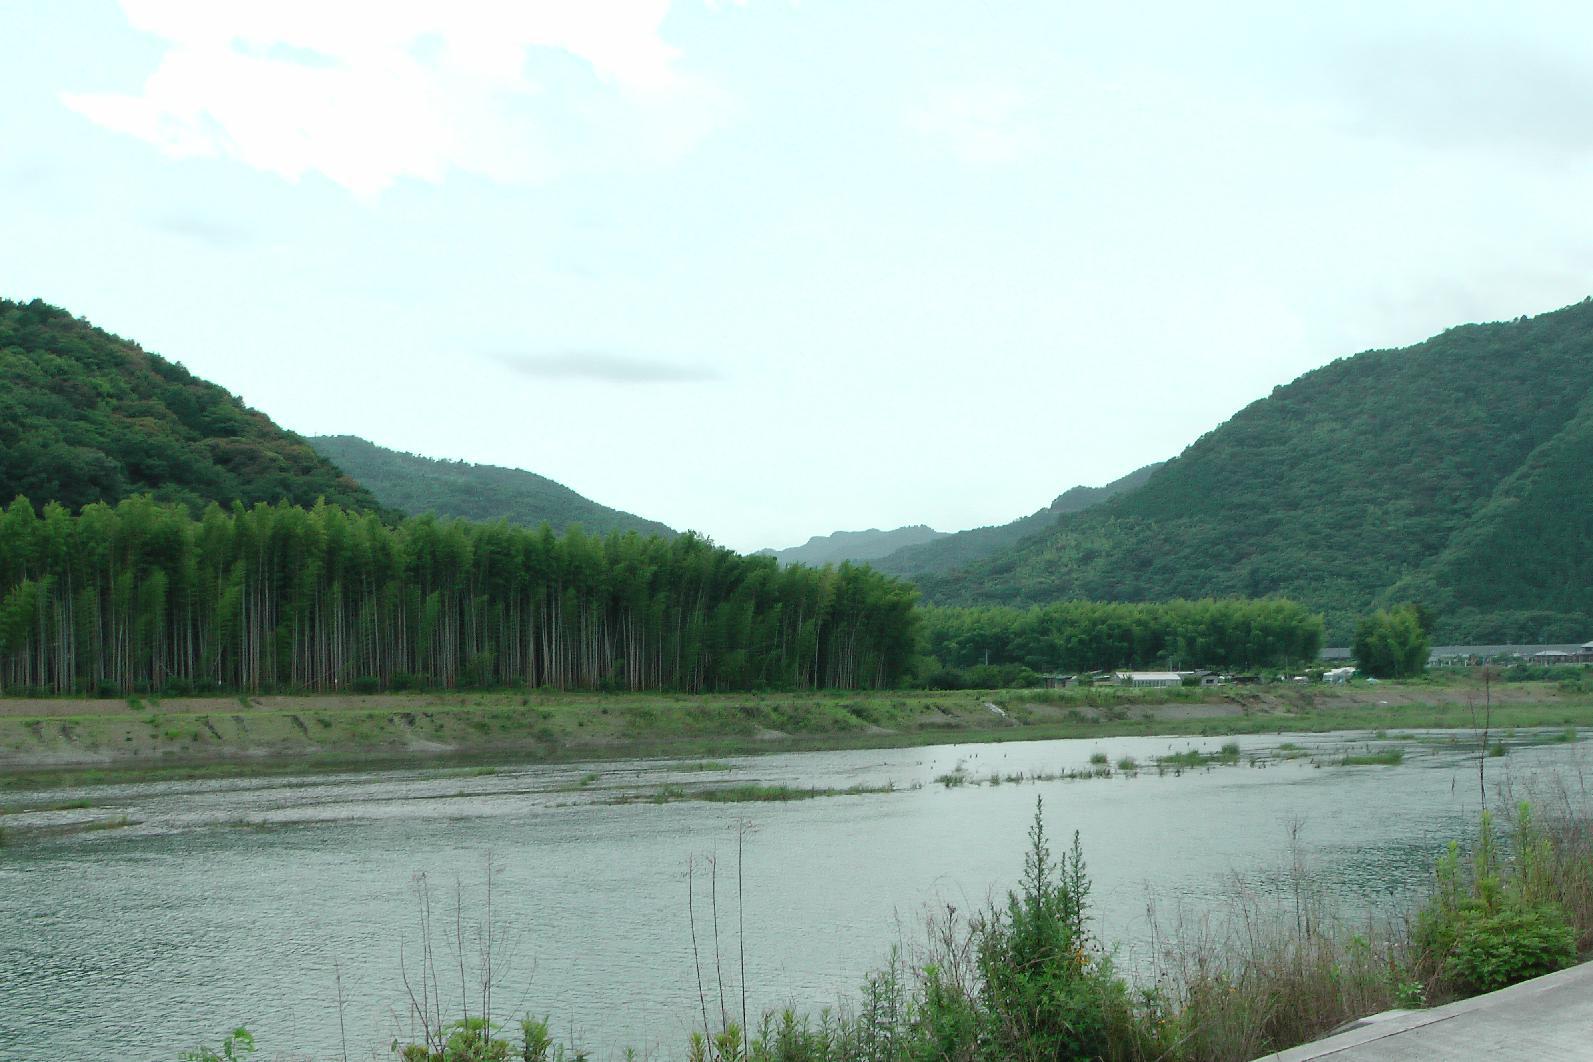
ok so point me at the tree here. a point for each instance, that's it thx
(1391, 643)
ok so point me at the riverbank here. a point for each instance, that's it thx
(44, 741)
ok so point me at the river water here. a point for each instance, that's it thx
(264, 902)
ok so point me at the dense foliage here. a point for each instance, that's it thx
(949, 552)
(1522, 569)
(86, 417)
(1391, 643)
(1088, 636)
(142, 596)
(418, 485)
(1494, 921)
(1438, 462)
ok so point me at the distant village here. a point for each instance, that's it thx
(1443, 656)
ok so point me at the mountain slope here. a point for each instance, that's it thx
(87, 416)
(414, 484)
(1522, 569)
(1341, 484)
(947, 553)
(855, 546)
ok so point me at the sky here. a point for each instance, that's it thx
(770, 269)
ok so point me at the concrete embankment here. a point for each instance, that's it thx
(1547, 1019)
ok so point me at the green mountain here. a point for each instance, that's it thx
(1457, 472)
(415, 485)
(86, 416)
(1522, 569)
(949, 552)
(855, 546)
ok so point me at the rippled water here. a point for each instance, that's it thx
(244, 902)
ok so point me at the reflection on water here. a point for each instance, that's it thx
(227, 903)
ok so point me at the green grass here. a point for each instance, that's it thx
(1194, 758)
(749, 794)
(1388, 758)
(63, 805)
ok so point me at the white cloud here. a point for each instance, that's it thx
(368, 92)
(980, 123)
(606, 367)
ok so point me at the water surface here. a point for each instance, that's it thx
(245, 902)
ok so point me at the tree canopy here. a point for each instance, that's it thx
(142, 596)
(1078, 636)
(1391, 643)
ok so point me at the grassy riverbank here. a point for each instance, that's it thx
(62, 739)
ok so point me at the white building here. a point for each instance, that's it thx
(1338, 675)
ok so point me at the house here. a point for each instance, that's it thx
(1056, 682)
(1553, 656)
(1149, 678)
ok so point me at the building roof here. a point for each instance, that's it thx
(1171, 676)
(1440, 652)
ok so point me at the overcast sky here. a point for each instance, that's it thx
(768, 270)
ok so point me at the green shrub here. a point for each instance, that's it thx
(1515, 943)
(1493, 921)
(239, 1045)
(366, 684)
(1047, 990)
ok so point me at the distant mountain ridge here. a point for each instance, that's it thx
(86, 416)
(854, 546)
(1457, 473)
(950, 552)
(414, 484)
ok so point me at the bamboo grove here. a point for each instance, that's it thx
(145, 597)
(1090, 635)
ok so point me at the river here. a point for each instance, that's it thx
(266, 902)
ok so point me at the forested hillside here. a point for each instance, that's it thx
(416, 485)
(855, 546)
(86, 417)
(143, 597)
(949, 552)
(1522, 569)
(1455, 472)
